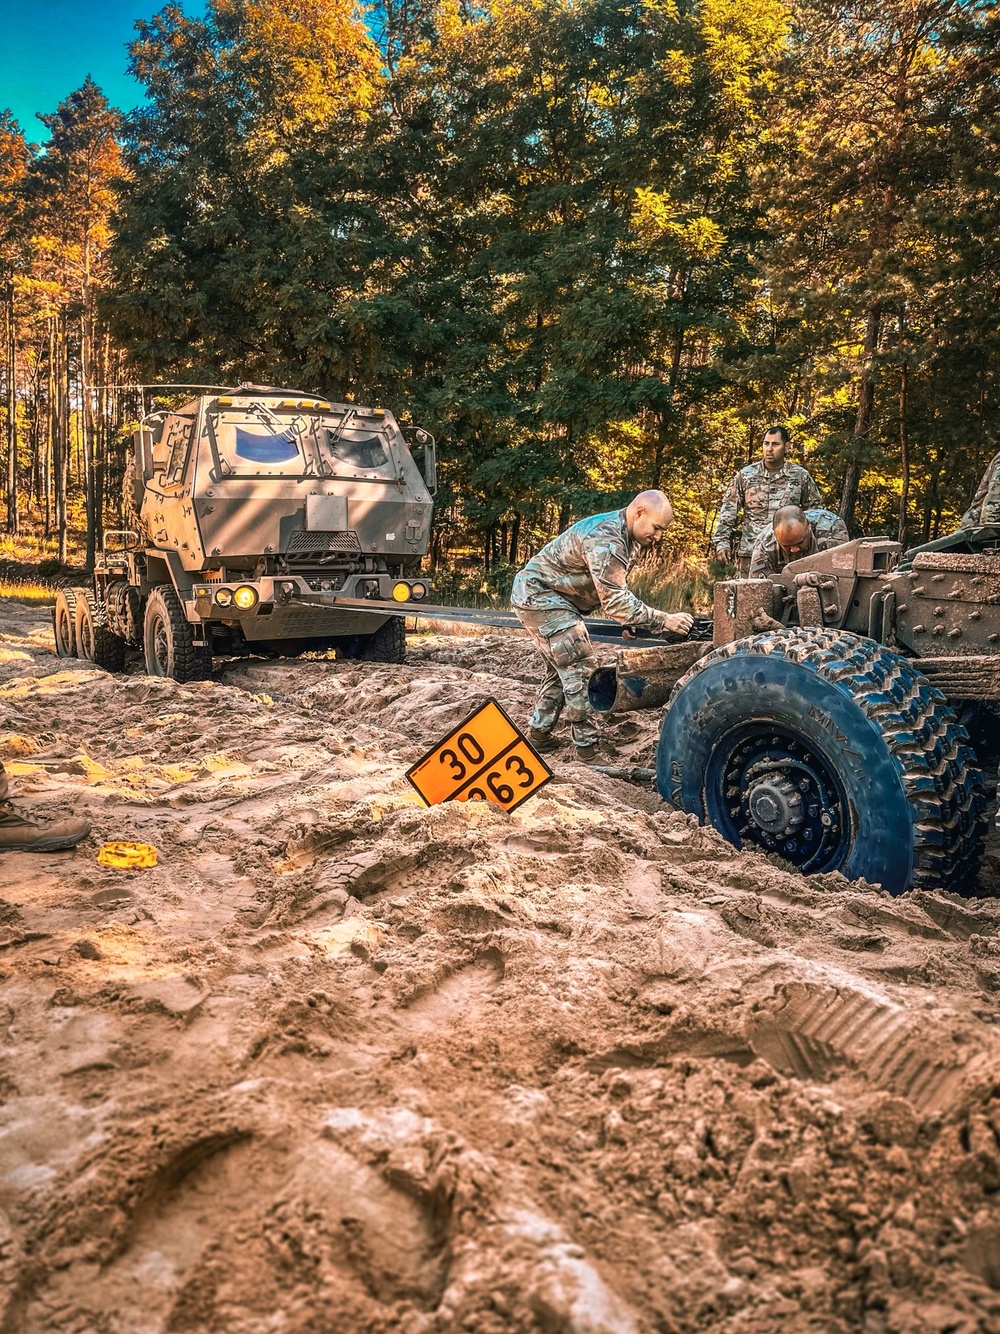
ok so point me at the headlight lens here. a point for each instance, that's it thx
(245, 597)
(224, 596)
(418, 591)
(401, 592)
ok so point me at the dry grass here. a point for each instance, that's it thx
(30, 592)
(457, 629)
(675, 585)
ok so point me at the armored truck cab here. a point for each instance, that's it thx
(243, 501)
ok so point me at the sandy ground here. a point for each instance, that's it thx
(343, 1063)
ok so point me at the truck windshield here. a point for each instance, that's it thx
(251, 444)
(258, 441)
(358, 448)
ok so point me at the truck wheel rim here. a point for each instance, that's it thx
(161, 647)
(63, 629)
(778, 791)
(86, 640)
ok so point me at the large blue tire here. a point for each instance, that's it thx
(831, 751)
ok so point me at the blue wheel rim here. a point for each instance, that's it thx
(768, 787)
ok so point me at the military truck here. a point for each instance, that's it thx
(243, 501)
(827, 721)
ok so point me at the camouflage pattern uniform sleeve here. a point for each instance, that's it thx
(725, 524)
(811, 498)
(608, 559)
(764, 560)
(830, 531)
(985, 507)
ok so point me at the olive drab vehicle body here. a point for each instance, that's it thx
(244, 503)
(843, 713)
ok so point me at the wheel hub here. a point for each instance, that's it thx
(779, 793)
(774, 804)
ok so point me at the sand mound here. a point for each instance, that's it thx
(343, 1063)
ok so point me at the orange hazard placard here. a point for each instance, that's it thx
(484, 759)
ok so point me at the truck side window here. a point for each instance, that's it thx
(358, 449)
(178, 442)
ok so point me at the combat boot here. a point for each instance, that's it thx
(589, 754)
(542, 741)
(20, 835)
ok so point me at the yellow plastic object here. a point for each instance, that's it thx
(401, 592)
(127, 856)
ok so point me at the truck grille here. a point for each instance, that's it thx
(308, 543)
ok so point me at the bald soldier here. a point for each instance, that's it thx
(795, 533)
(582, 569)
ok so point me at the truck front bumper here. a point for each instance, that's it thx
(229, 601)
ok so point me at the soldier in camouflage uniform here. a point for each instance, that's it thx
(582, 569)
(759, 489)
(978, 527)
(795, 533)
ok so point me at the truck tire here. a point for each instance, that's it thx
(831, 751)
(94, 641)
(64, 623)
(168, 639)
(388, 643)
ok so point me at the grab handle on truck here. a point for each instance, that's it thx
(415, 435)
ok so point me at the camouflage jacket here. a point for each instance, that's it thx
(826, 530)
(985, 507)
(584, 568)
(759, 492)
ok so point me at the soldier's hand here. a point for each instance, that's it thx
(723, 554)
(678, 623)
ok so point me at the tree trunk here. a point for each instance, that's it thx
(862, 425)
(10, 355)
(50, 434)
(87, 440)
(62, 439)
(904, 452)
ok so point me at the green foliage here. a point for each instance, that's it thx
(592, 246)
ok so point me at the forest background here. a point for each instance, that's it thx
(592, 245)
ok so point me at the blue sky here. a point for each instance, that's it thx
(48, 47)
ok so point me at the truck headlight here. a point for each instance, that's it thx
(224, 596)
(401, 592)
(245, 597)
(418, 591)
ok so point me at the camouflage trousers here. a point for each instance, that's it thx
(569, 660)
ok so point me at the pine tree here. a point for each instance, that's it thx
(14, 158)
(71, 191)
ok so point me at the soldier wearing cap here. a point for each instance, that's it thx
(795, 533)
(584, 568)
(759, 490)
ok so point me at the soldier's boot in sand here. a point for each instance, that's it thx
(542, 741)
(589, 754)
(20, 835)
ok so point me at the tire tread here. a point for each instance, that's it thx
(940, 775)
